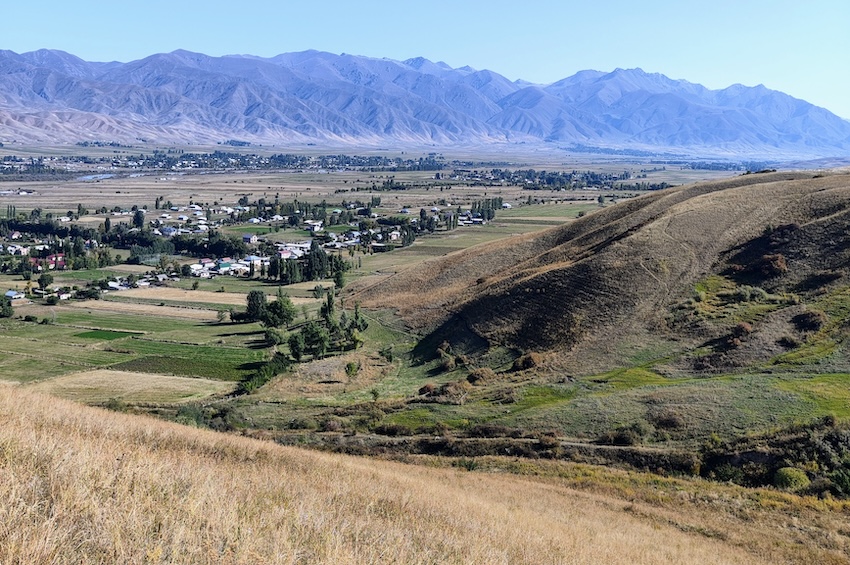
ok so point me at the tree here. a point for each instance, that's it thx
(296, 345)
(139, 219)
(256, 305)
(316, 339)
(328, 309)
(279, 313)
(316, 266)
(45, 280)
(359, 321)
(274, 268)
(339, 280)
(6, 310)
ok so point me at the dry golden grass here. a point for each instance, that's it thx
(146, 310)
(202, 296)
(81, 485)
(326, 376)
(102, 385)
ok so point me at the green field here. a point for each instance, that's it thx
(105, 335)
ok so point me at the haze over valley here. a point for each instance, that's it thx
(318, 98)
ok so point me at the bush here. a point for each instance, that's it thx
(387, 353)
(332, 425)
(548, 440)
(447, 362)
(789, 342)
(393, 430)
(668, 420)
(493, 430)
(465, 463)
(632, 434)
(116, 405)
(481, 375)
(742, 330)
(351, 369)
(453, 392)
(303, 423)
(527, 361)
(772, 265)
(810, 321)
(273, 337)
(791, 478)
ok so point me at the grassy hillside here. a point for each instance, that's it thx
(580, 290)
(81, 485)
(706, 323)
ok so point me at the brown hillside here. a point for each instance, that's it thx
(615, 273)
(81, 485)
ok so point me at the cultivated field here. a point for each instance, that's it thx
(147, 310)
(100, 386)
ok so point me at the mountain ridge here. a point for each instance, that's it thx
(318, 97)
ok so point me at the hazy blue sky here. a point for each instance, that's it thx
(802, 48)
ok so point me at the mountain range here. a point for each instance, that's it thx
(50, 96)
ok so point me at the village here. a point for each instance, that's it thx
(175, 241)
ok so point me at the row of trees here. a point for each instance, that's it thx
(329, 333)
(315, 265)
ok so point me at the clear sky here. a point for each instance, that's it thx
(801, 48)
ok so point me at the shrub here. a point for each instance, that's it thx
(465, 463)
(52, 300)
(427, 389)
(387, 353)
(789, 342)
(772, 265)
(507, 395)
(493, 430)
(481, 375)
(303, 423)
(810, 321)
(30, 318)
(351, 369)
(393, 430)
(668, 420)
(791, 478)
(331, 425)
(742, 330)
(548, 440)
(447, 362)
(632, 434)
(728, 473)
(454, 392)
(273, 337)
(527, 361)
(116, 405)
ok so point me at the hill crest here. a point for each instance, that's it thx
(584, 291)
